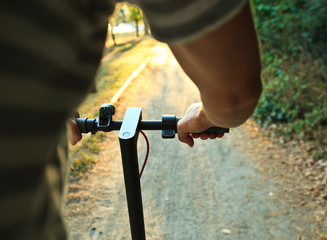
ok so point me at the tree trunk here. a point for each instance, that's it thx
(137, 28)
(113, 38)
(146, 26)
(112, 32)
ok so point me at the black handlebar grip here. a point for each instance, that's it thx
(86, 125)
(81, 123)
(216, 130)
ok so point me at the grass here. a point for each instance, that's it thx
(118, 63)
(84, 156)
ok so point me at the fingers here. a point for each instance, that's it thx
(205, 136)
(186, 138)
(189, 138)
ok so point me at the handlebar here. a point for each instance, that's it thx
(87, 125)
(168, 124)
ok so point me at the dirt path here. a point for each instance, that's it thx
(216, 190)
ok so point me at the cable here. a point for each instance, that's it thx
(147, 152)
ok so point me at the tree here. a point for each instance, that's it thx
(135, 15)
(112, 20)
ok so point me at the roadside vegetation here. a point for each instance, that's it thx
(292, 111)
(293, 40)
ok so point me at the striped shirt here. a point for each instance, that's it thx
(184, 20)
(49, 53)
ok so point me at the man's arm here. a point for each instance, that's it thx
(225, 66)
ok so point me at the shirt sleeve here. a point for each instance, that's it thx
(184, 20)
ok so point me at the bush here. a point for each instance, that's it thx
(291, 27)
(294, 67)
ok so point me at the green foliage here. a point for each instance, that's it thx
(292, 36)
(292, 93)
(84, 156)
(127, 13)
(134, 13)
(81, 164)
(92, 144)
(292, 26)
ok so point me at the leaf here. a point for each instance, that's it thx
(322, 236)
(227, 231)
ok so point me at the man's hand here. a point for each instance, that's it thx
(193, 123)
(73, 132)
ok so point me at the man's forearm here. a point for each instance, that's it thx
(225, 66)
(229, 110)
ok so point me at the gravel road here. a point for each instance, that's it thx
(210, 191)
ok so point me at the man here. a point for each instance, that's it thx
(50, 51)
